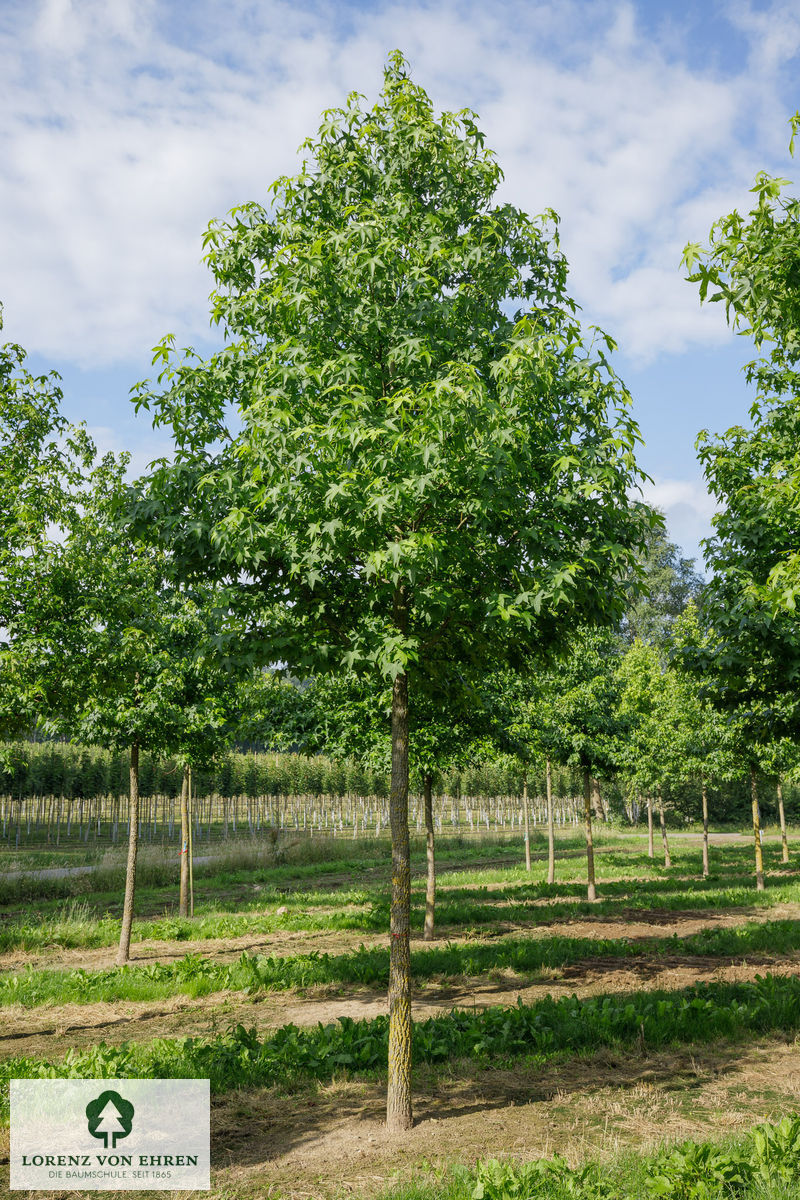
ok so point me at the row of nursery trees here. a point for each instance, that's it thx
(31, 772)
(409, 475)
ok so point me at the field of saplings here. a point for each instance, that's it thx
(375, 755)
(639, 1045)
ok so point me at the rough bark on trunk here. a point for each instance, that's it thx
(651, 853)
(663, 824)
(591, 891)
(191, 847)
(398, 1095)
(183, 908)
(598, 804)
(124, 950)
(551, 836)
(430, 845)
(526, 818)
(782, 814)
(756, 830)
(704, 790)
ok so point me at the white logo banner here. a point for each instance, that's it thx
(110, 1134)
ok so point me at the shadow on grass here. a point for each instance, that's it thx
(262, 1126)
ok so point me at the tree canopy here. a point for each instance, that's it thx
(754, 265)
(667, 583)
(432, 463)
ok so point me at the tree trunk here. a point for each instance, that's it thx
(398, 1097)
(598, 804)
(130, 874)
(663, 824)
(526, 819)
(650, 848)
(591, 891)
(705, 828)
(430, 846)
(756, 830)
(551, 837)
(183, 908)
(782, 814)
(191, 845)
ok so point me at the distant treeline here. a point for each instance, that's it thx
(75, 772)
(52, 768)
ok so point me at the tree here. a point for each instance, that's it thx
(432, 468)
(115, 652)
(751, 643)
(747, 651)
(668, 583)
(584, 695)
(782, 759)
(646, 745)
(698, 729)
(523, 723)
(740, 658)
(42, 464)
(351, 721)
(754, 264)
(440, 740)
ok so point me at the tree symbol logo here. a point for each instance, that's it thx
(110, 1117)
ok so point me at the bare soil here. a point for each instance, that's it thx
(333, 1141)
(330, 1141)
(630, 923)
(50, 1031)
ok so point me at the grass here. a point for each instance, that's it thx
(292, 860)
(763, 1165)
(250, 881)
(532, 1035)
(482, 888)
(90, 924)
(195, 975)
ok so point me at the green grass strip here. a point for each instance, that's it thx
(79, 926)
(195, 975)
(762, 1165)
(534, 1033)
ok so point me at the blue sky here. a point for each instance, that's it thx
(126, 125)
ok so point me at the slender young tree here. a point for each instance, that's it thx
(432, 467)
(749, 653)
(584, 691)
(348, 723)
(781, 760)
(649, 748)
(551, 833)
(116, 652)
(698, 730)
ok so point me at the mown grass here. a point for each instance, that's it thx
(239, 902)
(195, 975)
(244, 865)
(78, 924)
(291, 865)
(764, 1164)
(532, 1035)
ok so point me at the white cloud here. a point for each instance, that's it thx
(128, 124)
(687, 507)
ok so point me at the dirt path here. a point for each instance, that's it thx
(630, 923)
(51, 1031)
(331, 1141)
